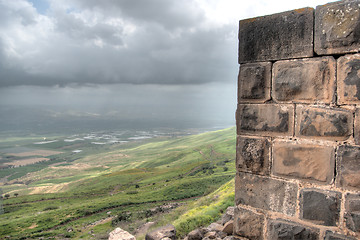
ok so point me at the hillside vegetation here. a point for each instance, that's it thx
(85, 195)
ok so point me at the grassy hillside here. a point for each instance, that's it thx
(85, 195)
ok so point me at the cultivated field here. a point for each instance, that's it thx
(44, 153)
(122, 184)
(26, 161)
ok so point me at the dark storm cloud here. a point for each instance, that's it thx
(170, 14)
(78, 30)
(108, 42)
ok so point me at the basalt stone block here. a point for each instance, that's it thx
(352, 220)
(320, 207)
(334, 236)
(337, 28)
(304, 161)
(265, 119)
(254, 82)
(348, 79)
(253, 155)
(324, 123)
(248, 224)
(282, 229)
(304, 80)
(348, 167)
(352, 212)
(265, 193)
(357, 127)
(278, 36)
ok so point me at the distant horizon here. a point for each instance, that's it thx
(157, 61)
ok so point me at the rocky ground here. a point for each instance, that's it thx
(220, 230)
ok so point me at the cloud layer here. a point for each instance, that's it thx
(104, 42)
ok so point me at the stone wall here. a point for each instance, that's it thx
(298, 124)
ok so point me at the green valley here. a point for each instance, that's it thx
(83, 187)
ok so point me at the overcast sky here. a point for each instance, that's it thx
(92, 55)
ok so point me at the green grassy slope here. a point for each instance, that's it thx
(73, 195)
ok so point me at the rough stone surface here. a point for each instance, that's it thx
(323, 123)
(265, 119)
(253, 155)
(195, 235)
(248, 224)
(298, 125)
(265, 193)
(210, 235)
(357, 127)
(278, 36)
(254, 82)
(353, 221)
(348, 167)
(303, 161)
(281, 229)
(352, 212)
(304, 80)
(214, 227)
(228, 215)
(120, 234)
(334, 236)
(228, 227)
(320, 207)
(230, 238)
(167, 231)
(348, 79)
(337, 28)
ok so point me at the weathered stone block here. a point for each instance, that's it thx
(324, 123)
(265, 119)
(278, 36)
(348, 167)
(282, 229)
(254, 82)
(119, 233)
(248, 224)
(353, 221)
(320, 207)
(265, 193)
(304, 161)
(348, 79)
(337, 28)
(352, 212)
(334, 236)
(168, 232)
(304, 80)
(253, 155)
(357, 127)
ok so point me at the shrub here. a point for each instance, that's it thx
(132, 192)
(122, 217)
(50, 208)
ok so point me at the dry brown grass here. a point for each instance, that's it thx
(77, 166)
(43, 153)
(49, 189)
(34, 225)
(26, 161)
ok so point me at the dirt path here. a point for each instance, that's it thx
(101, 221)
